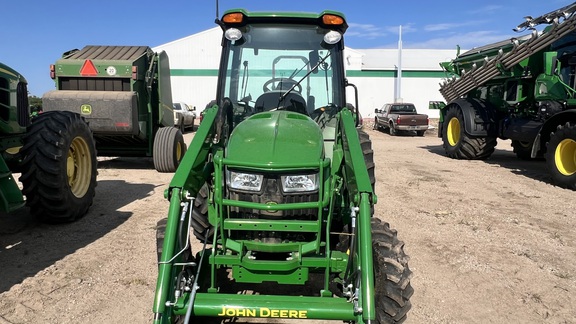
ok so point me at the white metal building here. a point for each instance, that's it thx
(194, 69)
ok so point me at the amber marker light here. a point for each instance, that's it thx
(233, 18)
(332, 20)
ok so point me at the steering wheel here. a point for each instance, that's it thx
(283, 84)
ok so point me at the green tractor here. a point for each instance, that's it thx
(522, 89)
(278, 186)
(53, 151)
(125, 95)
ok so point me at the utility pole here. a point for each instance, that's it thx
(399, 69)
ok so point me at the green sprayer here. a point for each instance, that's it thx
(522, 89)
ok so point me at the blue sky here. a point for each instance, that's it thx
(35, 33)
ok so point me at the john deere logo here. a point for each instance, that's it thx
(86, 109)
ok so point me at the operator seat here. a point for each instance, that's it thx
(269, 100)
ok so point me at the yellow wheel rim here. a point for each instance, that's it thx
(79, 167)
(453, 131)
(178, 152)
(565, 157)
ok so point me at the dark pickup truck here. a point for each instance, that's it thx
(400, 117)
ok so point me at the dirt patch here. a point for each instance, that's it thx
(490, 241)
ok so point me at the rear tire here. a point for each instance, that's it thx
(458, 145)
(561, 156)
(392, 130)
(420, 132)
(59, 167)
(392, 289)
(169, 149)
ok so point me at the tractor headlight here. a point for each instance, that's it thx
(300, 183)
(244, 181)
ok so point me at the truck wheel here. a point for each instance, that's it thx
(392, 130)
(420, 132)
(561, 156)
(458, 145)
(59, 167)
(523, 150)
(392, 289)
(169, 149)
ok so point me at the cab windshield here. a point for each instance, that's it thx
(281, 67)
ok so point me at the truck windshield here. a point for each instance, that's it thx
(269, 61)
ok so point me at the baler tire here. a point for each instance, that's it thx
(560, 153)
(168, 150)
(392, 289)
(59, 167)
(199, 221)
(458, 145)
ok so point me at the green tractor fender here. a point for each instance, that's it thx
(561, 118)
(478, 117)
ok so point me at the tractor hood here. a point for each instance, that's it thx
(277, 139)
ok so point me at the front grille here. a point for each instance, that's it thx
(271, 193)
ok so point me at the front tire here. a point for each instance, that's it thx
(392, 289)
(59, 167)
(458, 145)
(561, 156)
(201, 227)
(169, 149)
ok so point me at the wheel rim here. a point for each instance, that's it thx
(79, 167)
(453, 131)
(178, 151)
(565, 157)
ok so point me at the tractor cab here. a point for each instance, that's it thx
(271, 66)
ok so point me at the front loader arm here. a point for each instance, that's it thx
(361, 196)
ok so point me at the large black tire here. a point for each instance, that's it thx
(169, 149)
(366, 144)
(200, 224)
(458, 145)
(561, 156)
(59, 167)
(392, 289)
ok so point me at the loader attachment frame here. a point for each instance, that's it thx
(313, 256)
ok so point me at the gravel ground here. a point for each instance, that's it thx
(490, 241)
